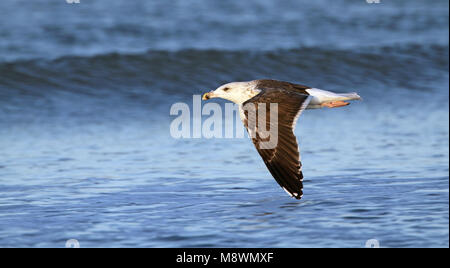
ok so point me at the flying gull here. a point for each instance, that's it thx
(282, 158)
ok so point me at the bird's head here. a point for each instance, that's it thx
(237, 92)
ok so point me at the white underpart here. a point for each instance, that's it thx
(320, 97)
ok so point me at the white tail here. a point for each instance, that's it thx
(320, 97)
(350, 96)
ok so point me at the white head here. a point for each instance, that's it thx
(237, 92)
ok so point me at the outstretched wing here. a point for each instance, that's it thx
(282, 158)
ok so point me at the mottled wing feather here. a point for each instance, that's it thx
(283, 161)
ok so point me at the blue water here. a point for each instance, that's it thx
(85, 145)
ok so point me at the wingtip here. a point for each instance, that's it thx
(293, 195)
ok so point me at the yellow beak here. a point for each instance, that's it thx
(207, 96)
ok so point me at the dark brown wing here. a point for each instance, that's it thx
(270, 83)
(282, 158)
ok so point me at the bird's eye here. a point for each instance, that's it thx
(226, 89)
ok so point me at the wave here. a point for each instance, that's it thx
(187, 71)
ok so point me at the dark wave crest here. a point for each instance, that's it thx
(166, 71)
(155, 78)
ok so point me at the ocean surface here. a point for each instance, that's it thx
(86, 151)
